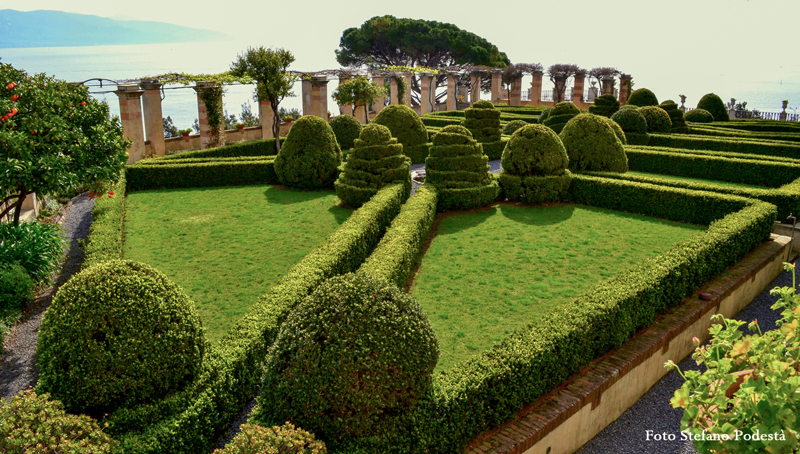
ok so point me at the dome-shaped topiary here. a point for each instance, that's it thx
(560, 115)
(657, 119)
(349, 360)
(643, 97)
(604, 105)
(699, 116)
(713, 104)
(310, 155)
(285, 439)
(118, 333)
(534, 166)
(346, 129)
(617, 130)
(634, 124)
(404, 123)
(545, 113)
(483, 121)
(513, 125)
(592, 145)
(375, 161)
(459, 169)
(675, 116)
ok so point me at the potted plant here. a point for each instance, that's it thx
(288, 119)
(185, 133)
(239, 126)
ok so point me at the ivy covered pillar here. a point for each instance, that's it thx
(377, 103)
(130, 114)
(607, 87)
(497, 85)
(209, 112)
(393, 99)
(474, 88)
(452, 95)
(624, 88)
(425, 96)
(536, 87)
(577, 91)
(153, 116)
(407, 93)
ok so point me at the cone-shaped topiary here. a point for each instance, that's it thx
(285, 439)
(592, 145)
(346, 129)
(631, 120)
(483, 121)
(349, 360)
(534, 166)
(560, 115)
(375, 161)
(545, 113)
(675, 116)
(657, 119)
(643, 97)
(604, 105)
(459, 169)
(310, 155)
(713, 104)
(404, 123)
(118, 333)
(699, 116)
(513, 125)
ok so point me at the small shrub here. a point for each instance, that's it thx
(643, 97)
(657, 119)
(545, 113)
(675, 116)
(16, 287)
(534, 166)
(346, 129)
(32, 423)
(617, 130)
(560, 115)
(349, 360)
(699, 116)
(630, 120)
(404, 123)
(118, 333)
(310, 155)
(36, 246)
(285, 439)
(483, 121)
(605, 105)
(512, 126)
(592, 145)
(714, 105)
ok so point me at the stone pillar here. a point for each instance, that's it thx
(266, 116)
(130, 114)
(452, 95)
(474, 87)
(608, 86)
(624, 88)
(346, 109)
(516, 92)
(319, 97)
(425, 104)
(306, 94)
(153, 116)
(377, 103)
(497, 85)
(407, 95)
(559, 89)
(536, 87)
(202, 114)
(577, 89)
(393, 91)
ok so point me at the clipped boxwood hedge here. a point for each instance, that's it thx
(699, 116)
(105, 232)
(675, 116)
(714, 105)
(605, 105)
(189, 174)
(733, 145)
(260, 147)
(642, 98)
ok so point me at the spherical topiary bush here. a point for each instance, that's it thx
(634, 124)
(512, 126)
(560, 115)
(118, 333)
(713, 104)
(285, 439)
(675, 116)
(346, 129)
(375, 161)
(604, 105)
(657, 119)
(699, 116)
(483, 121)
(31, 423)
(592, 145)
(310, 155)
(349, 360)
(534, 166)
(16, 287)
(545, 113)
(459, 169)
(404, 123)
(617, 130)
(643, 97)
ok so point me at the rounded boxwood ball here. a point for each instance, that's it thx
(699, 116)
(310, 155)
(512, 126)
(657, 119)
(592, 145)
(349, 360)
(617, 130)
(118, 333)
(346, 129)
(630, 120)
(714, 105)
(643, 97)
(404, 123)
(534, 150)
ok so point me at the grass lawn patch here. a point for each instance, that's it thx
(227, 246)
(724, 184)
(489, 272)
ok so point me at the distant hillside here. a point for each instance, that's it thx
(56, 28)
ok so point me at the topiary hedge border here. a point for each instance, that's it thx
(105, 233)
(201, 173)
(734, 145)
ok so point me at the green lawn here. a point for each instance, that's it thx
(227, 246)
(725, 184)
(490, 272)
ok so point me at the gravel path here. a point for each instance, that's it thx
(18, 369)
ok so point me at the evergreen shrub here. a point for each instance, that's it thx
(483, 121)
(405, 125)
(512, 126)
(657, 119)
(675, 116)
(285, 439)
(643, 97)
(604, 105)
(714, 105)
(560, 115)
(36, 246)
(535, 166)
(591, 144)
(633, 124)
(617, 130)
(545, 113)
(310, 155)
(699, 116)
(16, 287)
(346, 128)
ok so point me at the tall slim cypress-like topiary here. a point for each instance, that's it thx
(560, 115)
(483, 121)
(535, 166)
(675, 116)
(459, 169)
(309, 157)
(375, 161)
(605, 105)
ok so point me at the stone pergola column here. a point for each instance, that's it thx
(377, 103)
(425, 104)
(202, 113)
(497, 85)
(393, 91)
(577, 89)
(130, 114)
(306, 95)
(624, 88)
(516, 92)
(452, 95)
(536, 87)
(560, 89)
(345, 109)
(315, 96)
(407, 94)
(474, 87)
(265, 118)
(607, 86)
(153, 116)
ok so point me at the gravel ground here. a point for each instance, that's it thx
(18, 369)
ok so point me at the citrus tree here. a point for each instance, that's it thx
(53, 137)
(358, 92)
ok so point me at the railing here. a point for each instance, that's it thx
(547, 95)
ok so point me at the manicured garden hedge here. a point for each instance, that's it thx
(714, 130)
(105, 233)
(261, 147)
(201, 173)
(749, 146)
(761, 125)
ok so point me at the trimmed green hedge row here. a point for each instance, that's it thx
(761, 125)
(105, 232)
(738, 145)
(183, 174)
(705, 129)
(260, 147)
(190, 422)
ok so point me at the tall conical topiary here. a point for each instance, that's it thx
(605, 105)
(592, 145)
(560, 115)
(483, 121)
(535, 166)
(309, 157)
(375, 161)
(459, 169)
(676, 116)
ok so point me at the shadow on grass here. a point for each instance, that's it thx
(538, 215)
(285, 196)
(463, 220)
